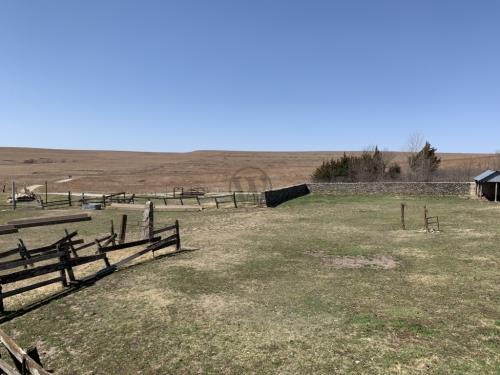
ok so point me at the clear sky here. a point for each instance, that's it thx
(250, 75)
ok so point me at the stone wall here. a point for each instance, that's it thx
(462, 189)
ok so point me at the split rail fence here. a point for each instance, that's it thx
(57, 261)
(195, 196)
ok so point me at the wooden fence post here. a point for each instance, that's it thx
(2, 308)
(71, 244)
(123, 229)
(67, 263)
(13, 195)
(148, 221)
(32, 352)
(178, 237)
(113, 235)
(46, 193)
(234, 200)
(64, 281)
(403, 226)
(69, 198)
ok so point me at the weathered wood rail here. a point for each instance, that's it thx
(58, 260)
(26, 362)
(50, 220)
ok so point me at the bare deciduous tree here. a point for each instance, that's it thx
(415, 142)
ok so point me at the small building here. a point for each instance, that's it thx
(487, 185)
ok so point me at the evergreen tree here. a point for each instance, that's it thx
(425, 162)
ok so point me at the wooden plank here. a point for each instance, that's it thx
(162, 244)
(169, 208)
(65, 201)
(29, 261)
(115, 194)
(129, 244)
(111, 238)
(106, 237)
(75, 262)
(71, 244)
(27, 288)
(54, 245)
(29, 273)
(52, 220)
(154, 247)
(8, 369)
(50, 248)
(84, 246)
(21, 356)
(8, 253)
(132, 257)
(8, 229)
(170, 227)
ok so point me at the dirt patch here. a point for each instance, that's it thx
(379, 261)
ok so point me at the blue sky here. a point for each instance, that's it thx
(250, 75)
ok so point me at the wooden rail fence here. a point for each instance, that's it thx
(61, 257)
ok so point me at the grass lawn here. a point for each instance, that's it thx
(321, 285)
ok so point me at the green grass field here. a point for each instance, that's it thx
(319, 285)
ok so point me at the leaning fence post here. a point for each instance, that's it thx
(234, 200)
(73, 250)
